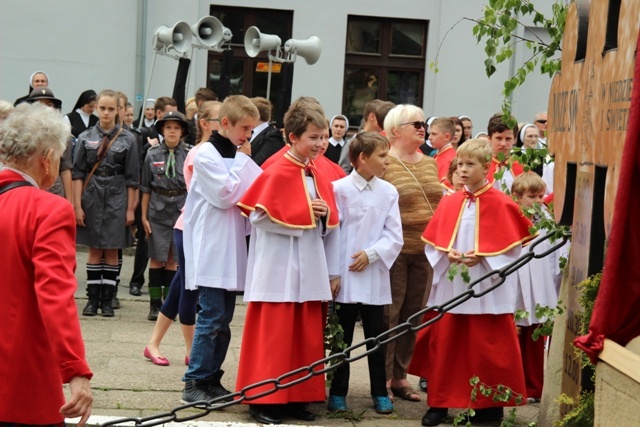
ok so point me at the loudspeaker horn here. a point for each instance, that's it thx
(309, 49)
(208, 31)
(255, 42)
(177, 37)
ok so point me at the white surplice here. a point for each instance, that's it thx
(536, 284)
(499, 301)
(290, 264)
(369, 221)
(215, 231)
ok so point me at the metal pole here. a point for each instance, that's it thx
(146, 91)
(269, 79)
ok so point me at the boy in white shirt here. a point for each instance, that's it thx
(370, 241)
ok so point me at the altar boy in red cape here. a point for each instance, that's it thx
(502, 138)
(482, 229)
(293, 267)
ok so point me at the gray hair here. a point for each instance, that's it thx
(5, 108)
(32, 128)
(399, 114)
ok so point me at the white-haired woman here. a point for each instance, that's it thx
(40, 339)
(415, 176)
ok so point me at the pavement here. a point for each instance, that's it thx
(125, 384)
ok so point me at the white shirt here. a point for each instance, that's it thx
(369, 221)
(258, 129)
(214, 229)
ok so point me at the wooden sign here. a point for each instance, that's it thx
(263, 67)
(588, 111)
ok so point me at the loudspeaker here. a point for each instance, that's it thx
(177, 37)
(208, 31)
(309, 49)
(255, 42)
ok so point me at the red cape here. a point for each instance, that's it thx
(443, 159)
(281, 192)
(275, 156)
(330, 170)
(500, 224)
(515, 167)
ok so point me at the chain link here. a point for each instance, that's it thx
(411, 325)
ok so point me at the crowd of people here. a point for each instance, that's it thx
(300, 220)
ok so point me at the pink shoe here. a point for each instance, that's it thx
(160, 361)
(186, 360)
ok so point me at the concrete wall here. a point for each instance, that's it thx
(85, 44)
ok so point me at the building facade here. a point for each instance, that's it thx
(369, 49)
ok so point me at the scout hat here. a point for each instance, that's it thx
(176, 116)
(44, 93)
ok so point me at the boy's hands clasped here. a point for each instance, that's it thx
(320, 208)
(468, 258)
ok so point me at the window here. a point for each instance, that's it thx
(244, 79)
(385, 58)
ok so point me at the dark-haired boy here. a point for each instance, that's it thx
(502, 137)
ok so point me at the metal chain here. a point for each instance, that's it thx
(290, 379)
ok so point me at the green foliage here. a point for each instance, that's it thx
(582, 414)
(347, 415)
(462, 269)
(498, 393)
(333, 339)
(548, 314)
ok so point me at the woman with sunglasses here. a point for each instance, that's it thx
(415, 176)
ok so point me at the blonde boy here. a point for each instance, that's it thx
(215, 242)
(477, 337)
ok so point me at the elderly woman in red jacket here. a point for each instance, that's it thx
(41, 344)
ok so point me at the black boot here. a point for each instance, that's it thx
(154, 309)
(93, 294)
(115, 302)
(106, 299)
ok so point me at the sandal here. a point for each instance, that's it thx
(406, 393)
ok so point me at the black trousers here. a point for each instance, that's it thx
(141, 258)
(373, 326)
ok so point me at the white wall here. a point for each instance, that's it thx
(86, 44)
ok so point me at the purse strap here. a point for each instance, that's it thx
(418, 182)
(13, 185)
(99, 160)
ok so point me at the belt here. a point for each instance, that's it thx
(107, 172)
(169, 193)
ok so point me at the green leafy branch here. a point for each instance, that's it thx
(462, 269)
(498, 29)
(498, 393)
(333, 339)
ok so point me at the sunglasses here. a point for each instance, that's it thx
(416, 125)
(544, 122)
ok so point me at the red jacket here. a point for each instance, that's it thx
(41, 344)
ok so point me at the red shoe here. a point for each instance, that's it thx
(160, 361)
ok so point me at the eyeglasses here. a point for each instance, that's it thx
(416, 125)
(212, 120)
(544, 122)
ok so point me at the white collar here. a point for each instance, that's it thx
(335, 142)
(258, 129)
(362, 183)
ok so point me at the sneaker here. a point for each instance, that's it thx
(217, 390)
(193, 393)
(382, 404)
(337, 403)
